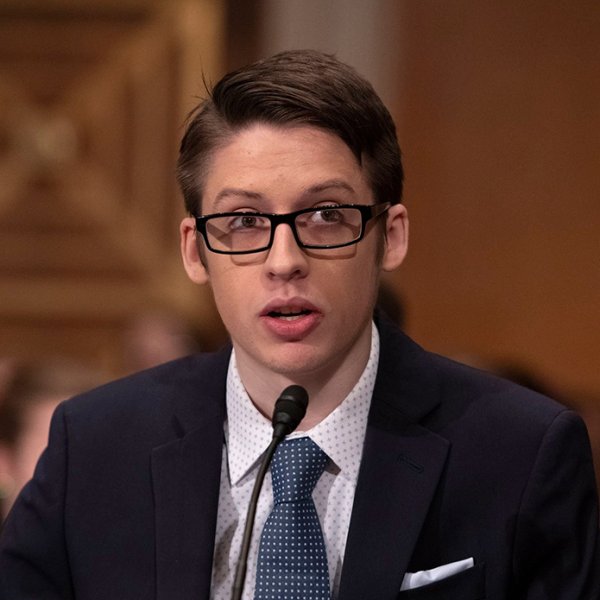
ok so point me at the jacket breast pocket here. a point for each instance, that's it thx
(466, 585)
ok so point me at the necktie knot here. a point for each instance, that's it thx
(297, 466)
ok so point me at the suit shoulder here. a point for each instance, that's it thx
(154, 390)
(445, 390)
(456, 378)
(493, 410)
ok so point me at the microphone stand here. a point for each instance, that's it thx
(240, 573)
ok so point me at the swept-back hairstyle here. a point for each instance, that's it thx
(298, 87)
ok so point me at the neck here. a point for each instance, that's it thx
(327, 386)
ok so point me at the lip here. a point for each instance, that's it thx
(293, 329)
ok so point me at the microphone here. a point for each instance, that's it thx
(290, 409)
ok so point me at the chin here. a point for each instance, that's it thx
(306, 367)
(296, 362)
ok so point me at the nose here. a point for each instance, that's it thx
(285, 259)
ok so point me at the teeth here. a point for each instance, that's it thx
(289, 313)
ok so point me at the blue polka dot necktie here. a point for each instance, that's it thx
(292, 560)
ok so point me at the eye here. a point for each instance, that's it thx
(246, 222)
(328, 215)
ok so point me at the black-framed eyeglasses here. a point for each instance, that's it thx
(320, 228)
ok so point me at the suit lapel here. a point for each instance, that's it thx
(186, 475)
(398, 478)
(400, 470)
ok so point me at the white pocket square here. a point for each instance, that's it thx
(421, 578)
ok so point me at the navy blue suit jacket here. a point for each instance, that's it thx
(456, 464)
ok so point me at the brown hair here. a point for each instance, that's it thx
(299, 87)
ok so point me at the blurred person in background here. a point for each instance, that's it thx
(156, 336)
(6, 369)
(392, 304)
(31, 393)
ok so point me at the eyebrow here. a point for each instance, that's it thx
(238, 192)
(313, 189)
(328, 185)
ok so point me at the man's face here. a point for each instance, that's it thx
(293, 313)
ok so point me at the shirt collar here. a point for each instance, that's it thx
(340, 435)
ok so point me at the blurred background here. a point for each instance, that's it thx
(497, 106)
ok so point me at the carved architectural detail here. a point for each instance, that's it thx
(93, 101)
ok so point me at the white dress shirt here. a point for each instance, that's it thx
(247, 434)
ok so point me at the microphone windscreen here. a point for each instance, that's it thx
(290, 408)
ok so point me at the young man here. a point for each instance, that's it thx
(439, 481)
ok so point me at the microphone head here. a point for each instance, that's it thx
(290, 409)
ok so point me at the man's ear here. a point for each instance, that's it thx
(396, 237)
(192, 261)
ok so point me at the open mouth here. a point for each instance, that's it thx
(289, 314)
(291, 319)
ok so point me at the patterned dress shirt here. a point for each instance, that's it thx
(247, 434)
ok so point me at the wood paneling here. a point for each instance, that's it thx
(93, 100)
(499, 119)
